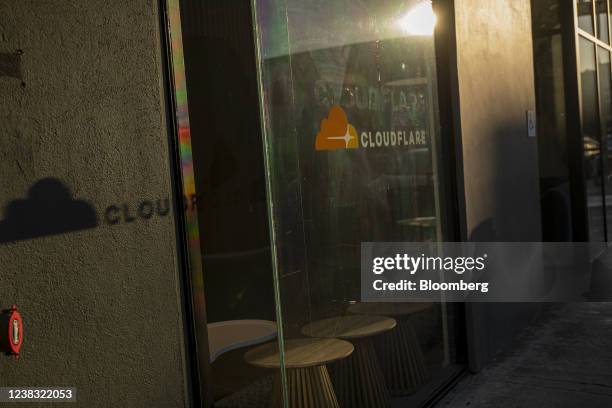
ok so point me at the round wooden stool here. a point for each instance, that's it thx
(358, 380)
(232, 334)
(399, 350)
(308, 382)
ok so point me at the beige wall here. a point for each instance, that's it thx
(101, 305)
(500, 162)
(496, 88)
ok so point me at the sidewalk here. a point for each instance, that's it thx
(564, 360)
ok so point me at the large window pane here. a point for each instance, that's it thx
(591, 140)
(222, 161)
(552, 131)
(605, 96)
(349, 90)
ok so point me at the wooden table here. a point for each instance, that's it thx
(399, 350)
(358, 380)
(232, 334)
(420, 223)
(308, 382)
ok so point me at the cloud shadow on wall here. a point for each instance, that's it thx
(48, 209)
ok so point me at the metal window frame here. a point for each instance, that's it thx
(573, 84)
(196, 393)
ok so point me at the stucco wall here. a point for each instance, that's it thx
(101, 304)
(496, 88)
(500, 162)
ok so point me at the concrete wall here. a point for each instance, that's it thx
(100, 303)
(500, 162)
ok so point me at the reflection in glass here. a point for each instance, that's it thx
(420, 20)
(605, 96)
(350, 104)
(222, 162)
(546, 16)
(601, 8)
(585, 15)
(552, 130)
(591, 140)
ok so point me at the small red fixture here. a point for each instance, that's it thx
(11, 334)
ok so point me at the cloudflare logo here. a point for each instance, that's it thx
(337, 133)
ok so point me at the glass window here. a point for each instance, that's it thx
(546, 15)
(605, 86)
(552, 130)
(591, 140)
(585, 15)
(222, 161)
(351, 137)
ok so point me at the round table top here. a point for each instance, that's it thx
(419, 222)
(300, 353)
(232, 334)
(349, 327)
(389, 308)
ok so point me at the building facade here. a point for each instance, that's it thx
(185, 181)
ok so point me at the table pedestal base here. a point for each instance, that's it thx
(401, 359)
(308, 387)
(358, 379)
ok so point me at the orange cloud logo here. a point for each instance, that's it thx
(336, 132)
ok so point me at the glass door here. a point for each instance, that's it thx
(350, 118)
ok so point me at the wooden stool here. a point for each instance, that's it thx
(308, 382)
(232, 334)
(358, 380)
(399, 350)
